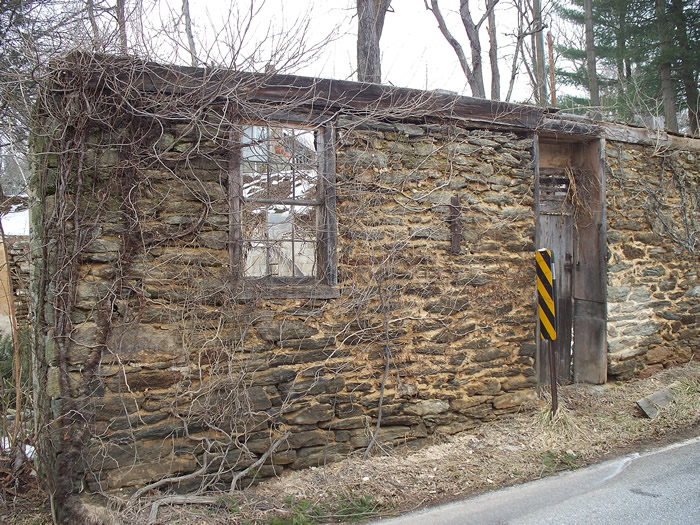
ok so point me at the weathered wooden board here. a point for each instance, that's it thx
(590, 314)
(293, 92)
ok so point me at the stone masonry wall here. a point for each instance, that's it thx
(653, 283)
(18, 254)
(183, 376)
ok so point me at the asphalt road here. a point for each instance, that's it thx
(661, 486)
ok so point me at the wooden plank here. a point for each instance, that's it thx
(542, 353)
(564, 127)
(324, 95)
(251, 291)
(554, 231)
(328, 256)
(590, 274)
(648, 137)
(234, 204)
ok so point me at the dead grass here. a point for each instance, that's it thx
(593, 422)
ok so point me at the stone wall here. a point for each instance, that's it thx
(17, 250)
(178, 374)
(16, 258)
(653, 282)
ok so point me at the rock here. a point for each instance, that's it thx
(352, 422)
(659, 354)
(519, 383)
(514, 399)
(652, 404)
(216, 240)
(319, 385)
(482, 356)
(488, 387)
(693, 292)
(618, 294)
(447, 305)
(642, 329)
(456, 427)
(308, 439)
(527, 349)
(142, 473)
(144, 344)
(274, 376)
(389, 434)
(139, 420)
(317, 456)
(310, 416)
(110, 455)
(282, 331)
(257, 398)
(410, 130)
(422, 408)
(435, 233)
(139, 380)
(467, 402)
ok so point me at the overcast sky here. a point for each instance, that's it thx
(414, 52)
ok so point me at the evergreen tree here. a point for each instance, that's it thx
(628, 42)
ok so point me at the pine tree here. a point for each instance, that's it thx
(633, 42)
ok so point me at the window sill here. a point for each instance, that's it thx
(267, 290)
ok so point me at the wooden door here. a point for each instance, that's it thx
(555, 223)
(570, 221)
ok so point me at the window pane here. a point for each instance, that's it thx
(279, 163)
(278, 168)
(280, 259)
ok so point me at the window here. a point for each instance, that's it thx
(283, 211)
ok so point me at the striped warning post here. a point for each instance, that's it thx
(545, 295)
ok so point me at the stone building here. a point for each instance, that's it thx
(228, 264)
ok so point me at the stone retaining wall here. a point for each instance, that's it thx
(189, 374)
(653, 282)
(158, 365)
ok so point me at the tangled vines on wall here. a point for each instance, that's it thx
(162, 374)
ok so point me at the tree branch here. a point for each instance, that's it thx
(459, 51)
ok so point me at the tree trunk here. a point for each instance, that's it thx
(435, 9)
(121, 24)
(188, 31)
(475, 44)
(493, 52)
(667, 89)
(552, 81)
(590, 55)
(370, 14)
(539, 54)
(687, 73)
(93, 21)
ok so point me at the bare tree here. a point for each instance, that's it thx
(370, 15)
(590, 54)
(188, 32)
(539, 54)
(121, 24)
(474, 70)
(493, 56)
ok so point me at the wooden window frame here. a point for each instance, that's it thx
(324, 286)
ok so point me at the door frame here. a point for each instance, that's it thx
(585, 156)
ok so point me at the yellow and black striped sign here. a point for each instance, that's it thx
(545, 295)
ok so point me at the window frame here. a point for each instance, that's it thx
(324, 285)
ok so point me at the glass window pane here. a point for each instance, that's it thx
(279, 167)
(255, 260)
